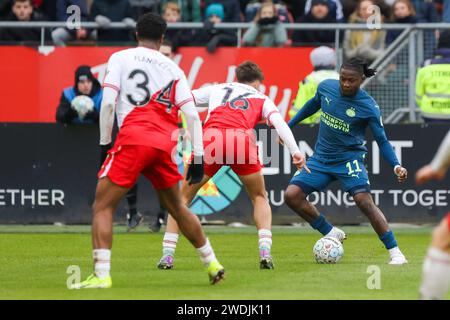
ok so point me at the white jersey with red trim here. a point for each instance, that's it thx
(151, 90)
(234, 105)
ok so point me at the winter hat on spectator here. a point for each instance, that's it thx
(317, 2)
(215, 9)
(323, 56)
(84, 73)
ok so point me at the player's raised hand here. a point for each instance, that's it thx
(300, 161)
(195, 170)
(401, 173)
(426, 173)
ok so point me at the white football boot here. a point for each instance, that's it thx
(397, 257)
(337, 233)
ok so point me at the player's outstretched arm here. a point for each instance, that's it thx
(310, 108)
(438, 167)
(286, 135)
(386, 149)
(106, 120)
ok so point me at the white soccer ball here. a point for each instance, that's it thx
(328, 250)
(82, 105)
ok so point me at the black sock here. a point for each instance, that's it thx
(132, 200)
(162, 212)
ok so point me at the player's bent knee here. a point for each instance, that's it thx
(294, 195)
(365, 203)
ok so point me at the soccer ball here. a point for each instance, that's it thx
(328, 250)
(82, 105)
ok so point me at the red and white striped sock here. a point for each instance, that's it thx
(102, 262)
(265, 242)
(206, 253)
(436, 275)
(170, 243)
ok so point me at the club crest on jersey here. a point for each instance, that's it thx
(328, 100)
(350, 112)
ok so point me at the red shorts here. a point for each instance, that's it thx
(124, 164)
(448, 221)
(230, 147)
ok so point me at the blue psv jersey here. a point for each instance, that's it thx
(343, 124)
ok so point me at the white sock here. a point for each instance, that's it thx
(170, 243)
(395, 251)
(435, 275)
(206, 253)
(265, 242)
(102, 262)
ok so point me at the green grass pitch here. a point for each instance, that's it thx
(34, 262)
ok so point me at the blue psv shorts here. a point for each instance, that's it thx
(351, 174)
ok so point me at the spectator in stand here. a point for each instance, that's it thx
(46, 8)
(403, 11)
(171, 13)
(323, 60)
(60, 36)
(267, 29)
(232, 9)
(336, 9)
(190, 9)
(106, 11)
(319, 13)
(22, 10)
(212, 37)
(433, 84)
(349, 6)
(87, 85)
(426, 10)
(252, 9)
(364, 43)
(296, 8)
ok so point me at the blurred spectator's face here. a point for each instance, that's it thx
(267, 12)
(214, 19)
(166, 50)
(85, 86)
(401, 10)
(171, 16)
(22, 10)
(364, 10)
(320, 11)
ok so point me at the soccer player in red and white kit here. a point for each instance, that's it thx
(234, 109)
(148, 89)
(436, 267)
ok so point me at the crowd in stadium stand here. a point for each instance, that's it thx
(268, 20)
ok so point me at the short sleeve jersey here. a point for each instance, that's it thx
(151, 90)
(234, 106)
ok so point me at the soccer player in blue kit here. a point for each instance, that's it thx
(347, 111)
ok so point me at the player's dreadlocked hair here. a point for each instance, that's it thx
(150, 26)
(360, 65)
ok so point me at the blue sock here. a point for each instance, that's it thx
(322, 225)
(389, 240)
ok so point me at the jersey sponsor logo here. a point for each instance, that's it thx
(334, 122)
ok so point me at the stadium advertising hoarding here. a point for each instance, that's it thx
(32, 80)
(53, 178)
